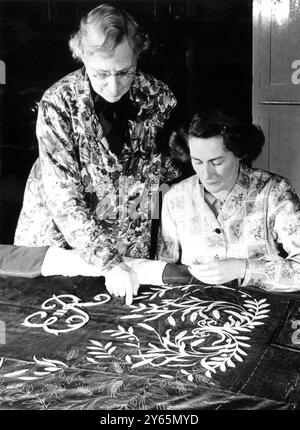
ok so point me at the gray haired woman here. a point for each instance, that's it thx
(92, 188)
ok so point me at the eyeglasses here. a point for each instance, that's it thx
(123, 75)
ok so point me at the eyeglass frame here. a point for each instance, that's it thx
(121, 75)
(127, 74)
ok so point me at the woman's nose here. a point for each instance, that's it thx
(207, 170)
(113, 84)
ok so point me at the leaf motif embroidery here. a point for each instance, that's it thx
(211, 344)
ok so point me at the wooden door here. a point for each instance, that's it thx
(276, 85)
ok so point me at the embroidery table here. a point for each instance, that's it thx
(66, 344)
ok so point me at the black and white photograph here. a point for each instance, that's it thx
(149, 208)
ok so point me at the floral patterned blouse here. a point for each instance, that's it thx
(81, 195)
(259, 221)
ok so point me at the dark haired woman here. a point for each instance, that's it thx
(229, 221)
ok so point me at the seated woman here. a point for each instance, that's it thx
(229, 221)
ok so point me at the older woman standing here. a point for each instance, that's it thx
(92, 187)
(229, 221)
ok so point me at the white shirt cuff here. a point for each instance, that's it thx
(149, 272)
(65, 262)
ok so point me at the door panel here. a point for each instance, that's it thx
(282, 148)
(276, 85)
(279, 50)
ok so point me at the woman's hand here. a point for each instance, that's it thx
(122, 281)
(219, 271)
